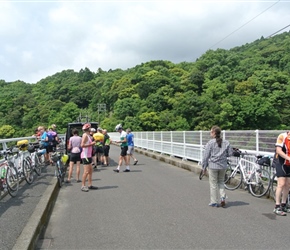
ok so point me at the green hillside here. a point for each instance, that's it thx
(246, 87)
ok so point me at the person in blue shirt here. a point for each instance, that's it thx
(130, 140)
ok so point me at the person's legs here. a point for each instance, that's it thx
(78, 170)
(221, 186)
(213, 179)
(71, 167)
(90, 174)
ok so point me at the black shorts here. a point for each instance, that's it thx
(106, 150)
(87, 161)
(99, 150)
(75, 157)
(282, 171)
(48, 148)
(124, 150)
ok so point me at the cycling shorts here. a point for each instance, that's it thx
(282, 170)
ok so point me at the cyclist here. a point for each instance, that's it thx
(281, 162)
(99, 139)
(86, 156)
(124, 149)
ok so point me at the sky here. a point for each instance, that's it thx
(39, 38)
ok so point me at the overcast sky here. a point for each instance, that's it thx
(41, 38)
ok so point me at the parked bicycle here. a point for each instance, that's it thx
(25, 168)
(60, 163)
(36, 158)
(9, 175)
(256, 179)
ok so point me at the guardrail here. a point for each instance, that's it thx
(189, 145)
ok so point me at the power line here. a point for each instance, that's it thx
(278, 31)
(244, 24)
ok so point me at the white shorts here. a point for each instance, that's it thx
(130, 150)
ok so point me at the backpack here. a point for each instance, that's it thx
(51, 137)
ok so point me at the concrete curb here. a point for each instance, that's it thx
(30, 234)
(188, 165)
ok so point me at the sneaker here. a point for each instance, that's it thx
(213, 204)
(126, 170)
(92, 187)
(116, 170)
(286, 209)
(223, 202)
(279, 211)
(78, 180)
(135, 162)
(85, 189)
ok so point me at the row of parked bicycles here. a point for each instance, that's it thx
(24, 161)
(253, 173)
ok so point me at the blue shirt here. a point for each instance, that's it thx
(130, 139)
(43, 138)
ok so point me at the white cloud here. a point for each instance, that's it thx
(39, 39)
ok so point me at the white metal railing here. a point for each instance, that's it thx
(189, 144)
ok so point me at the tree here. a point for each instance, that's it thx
(6, 131)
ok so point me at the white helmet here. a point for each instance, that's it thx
(93, 130)
(118, 127)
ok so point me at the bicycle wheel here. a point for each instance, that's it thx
(12, 180)
(234, 180)
(37, 165)
(228, 173)
(27, 171)
(59, 174)
(260, 182)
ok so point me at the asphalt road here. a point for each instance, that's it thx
(159, 206)
(15, 212)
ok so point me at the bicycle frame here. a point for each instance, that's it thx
(256, 179)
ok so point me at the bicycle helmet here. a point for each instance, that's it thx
(86, 126)
(93, 130)
(118, 127)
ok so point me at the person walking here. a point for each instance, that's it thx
(281, 162)
(124, 149)
(215, 159)
(130, 139)
(74, 146)
(86, 156)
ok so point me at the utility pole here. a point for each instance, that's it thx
(101, 108)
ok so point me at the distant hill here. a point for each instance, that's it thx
(246, 87)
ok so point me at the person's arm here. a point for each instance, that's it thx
(69, 144)
(206, 156)
(280, 152)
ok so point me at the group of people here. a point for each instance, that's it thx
(93, 147)
(86, 149)
(48, 139)
(127, 148)
(215, 159)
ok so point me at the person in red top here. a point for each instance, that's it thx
(281, 162)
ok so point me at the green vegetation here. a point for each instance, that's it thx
(243, 88)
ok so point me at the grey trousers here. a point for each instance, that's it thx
(216, 184)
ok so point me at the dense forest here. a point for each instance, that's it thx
(246, 87)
